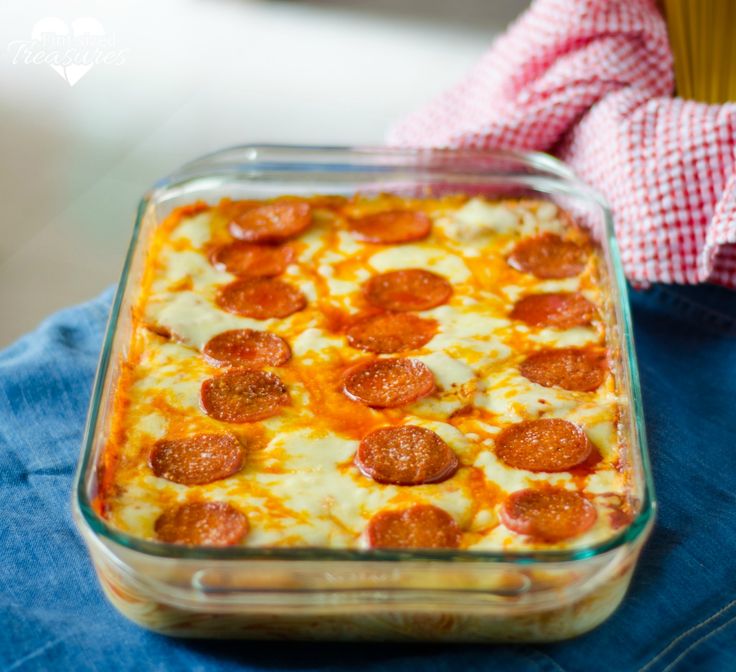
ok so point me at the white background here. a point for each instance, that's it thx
(198, 76)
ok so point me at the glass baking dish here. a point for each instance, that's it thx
(308, 593)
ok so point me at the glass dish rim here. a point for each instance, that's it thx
(560, 179)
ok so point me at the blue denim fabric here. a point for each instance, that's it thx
(679, 615)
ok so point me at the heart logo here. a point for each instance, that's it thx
(58, 36)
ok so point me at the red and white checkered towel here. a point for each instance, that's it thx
(590, 80)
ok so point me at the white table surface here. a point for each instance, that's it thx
(197, 76)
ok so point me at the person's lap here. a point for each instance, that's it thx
(680, 613)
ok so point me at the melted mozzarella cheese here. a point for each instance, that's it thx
(193, 319)
(426, 257)
(196, 230)
(315, 342)
(463, 330)
(573, 337)
(478, 218)
(456, 385)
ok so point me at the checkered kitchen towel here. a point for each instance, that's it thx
(590, 80)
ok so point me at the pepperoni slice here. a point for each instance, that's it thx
(421, 526)
(388, 383)
(250, 260)
(243, 396)
(410, 289)
(261, 298)
(247, 347)
(547, 444)
(394, 332)
(407, 455)
(561, 310)
(273, 222)
(548, 256)
(198, 459)
(393, 226)
(549, 514)
(202, 524)
(576, 369)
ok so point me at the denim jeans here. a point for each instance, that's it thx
(680, 613)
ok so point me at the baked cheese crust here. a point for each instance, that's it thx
(298, 484)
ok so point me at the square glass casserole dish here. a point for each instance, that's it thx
(334, 593)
